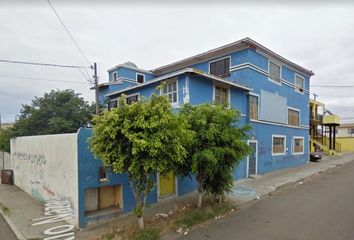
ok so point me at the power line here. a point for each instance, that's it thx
(42, 64)
(39, 79)
(67, 30)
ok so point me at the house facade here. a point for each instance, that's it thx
(345, 136)
(270, 92)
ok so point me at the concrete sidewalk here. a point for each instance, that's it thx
(249, 189)
(23, 208)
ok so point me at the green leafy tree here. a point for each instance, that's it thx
(5, 136)
(60, 111)
(217, 147)
(140, 139)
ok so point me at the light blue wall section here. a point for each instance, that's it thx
(123, 72)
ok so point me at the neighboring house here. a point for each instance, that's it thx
(270, 92)
(323, 129)
(345, 136)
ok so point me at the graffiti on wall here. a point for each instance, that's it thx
(57, 210)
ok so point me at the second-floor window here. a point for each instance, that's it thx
(274, 72)
(132, 98)
(221, 95)
(350, 130)
(220, 67)
(170, 90)
(299, 83)
(114, 76)
(112, 104)
(293, 117)
(140, 78)
(253, 101)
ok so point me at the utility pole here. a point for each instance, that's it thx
(96, 87)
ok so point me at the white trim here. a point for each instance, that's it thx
(136, 77)
(174, 79)
(280, 72)
(182, 71)
(114, 79)
(186, 97)
(303, 145)
(218, 59)
(303, 86)
(280, 124)
(296, 110)
(248, 158)
(262, 71)
(228, 93)
(279, 136)
(258, 104)
(132, 95)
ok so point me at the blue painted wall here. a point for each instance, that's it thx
(89, 178)
(250, 68)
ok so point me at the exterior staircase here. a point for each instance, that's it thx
(323, 144)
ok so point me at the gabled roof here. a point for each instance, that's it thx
(224, 50)
(173, 74)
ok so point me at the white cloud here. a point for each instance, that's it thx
(316, 37)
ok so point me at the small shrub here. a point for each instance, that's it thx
(147, 234)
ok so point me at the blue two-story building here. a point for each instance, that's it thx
(270, 92)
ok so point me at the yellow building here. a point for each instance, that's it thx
(345, 136)
(323, 126)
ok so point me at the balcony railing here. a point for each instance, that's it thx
(316, 117)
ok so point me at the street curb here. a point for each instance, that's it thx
(12, 226)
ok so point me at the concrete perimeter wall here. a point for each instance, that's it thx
(46, 167)
(347, 143)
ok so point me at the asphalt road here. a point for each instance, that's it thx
(5, 231)
(320, 208)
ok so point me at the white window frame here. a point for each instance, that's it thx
(168, 81)
(114, 79)
(228, 93)
(297, 110)
(295, 86)
(132, 95)
(136, 77)
(303, 145)
(248, 158)
(218, 59)
(280, 72)
(279, 136)
(258, 101)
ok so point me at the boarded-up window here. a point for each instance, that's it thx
(274, 72)
(170, 90)
(298, 145)
(253, 101)
(273, 107)
(220, 67)
(278, 145)
(100, 198)
(221, 95)
(293, 117)
(140, 78)
(299, 83)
